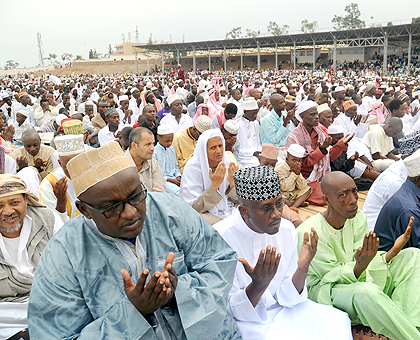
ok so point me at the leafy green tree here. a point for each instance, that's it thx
(252, 34)
(389, 23)
(79, 57)
(52, 57)
(94, 55)
(274, 29)
(415, 20)
(349, 21)
(338, 22)
(11, 64)
(309, 27)
(235, 33)
(66, 56)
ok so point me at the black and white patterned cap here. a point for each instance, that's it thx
(259, 183)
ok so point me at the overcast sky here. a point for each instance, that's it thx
(79, 25)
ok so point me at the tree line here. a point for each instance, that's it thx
(350, 20)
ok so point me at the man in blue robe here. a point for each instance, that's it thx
(398, 210)
(85, 284)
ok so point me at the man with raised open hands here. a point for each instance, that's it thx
(269, 301)
(93, 280)
(376, 289)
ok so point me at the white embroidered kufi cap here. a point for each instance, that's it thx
(69, 145)
(412, 163)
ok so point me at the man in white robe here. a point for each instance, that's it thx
(125, 113)
(236, 98)
(181, 92)
(112, 130)
(351, 121)
(370, 97)
(135, 104)
(269, 301)
(249, 135)
(57, 190)
(203, 83)
(178, 120)
(67, 104)
(384, 187)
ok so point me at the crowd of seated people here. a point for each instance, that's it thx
(166, 206)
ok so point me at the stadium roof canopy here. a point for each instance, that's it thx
(364, 37)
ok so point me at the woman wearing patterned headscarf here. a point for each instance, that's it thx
(149, 98)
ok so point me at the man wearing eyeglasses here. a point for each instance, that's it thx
(134, 265)
(269, 300)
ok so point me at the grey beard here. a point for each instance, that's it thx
(12, 230)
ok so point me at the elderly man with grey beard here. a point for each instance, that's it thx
(26, 226)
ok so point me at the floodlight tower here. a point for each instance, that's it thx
(137, 36)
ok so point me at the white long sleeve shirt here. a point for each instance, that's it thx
(350, 127)
(247, 243)
(184, 122)
(250, 141)
(281, 313)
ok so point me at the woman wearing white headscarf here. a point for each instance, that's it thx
(207, 181)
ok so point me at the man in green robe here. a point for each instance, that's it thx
(376, 289)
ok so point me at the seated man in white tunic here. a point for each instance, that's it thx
(353, 123)
(269, 300)
(380, 143)
(26, 226)
(113, 129)
(177, 119)
(57, 190)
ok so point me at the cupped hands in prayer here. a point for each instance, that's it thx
(22, 162)
(308, 250)
(325, 144)
(366, 253)
(231, 171)
(157, 293)
(355, 156)
(60, 192)
(217, 177)
(262, 273)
